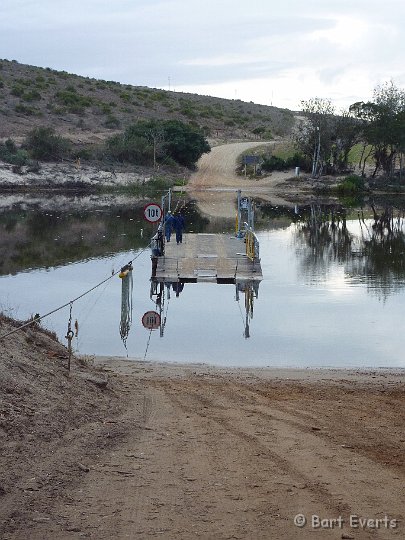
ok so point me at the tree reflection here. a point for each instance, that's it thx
(380, 261)
(375, 256)
(322, 237)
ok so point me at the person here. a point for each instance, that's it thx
(179, 226)
(169, 223)
(157, 249)
(177, 287)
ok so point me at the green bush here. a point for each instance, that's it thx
(112, 122)
(74, 102)
(351, 184)
(31, 95)
(43, 143)
(129, 148)
(125, 96)
(11, 154)
(85, 153)
(275, 163)
(25, 109)
(17, 90)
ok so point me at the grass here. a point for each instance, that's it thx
(356, 152)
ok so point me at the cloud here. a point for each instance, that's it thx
(287, 50)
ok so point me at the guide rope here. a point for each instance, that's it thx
(147, 345)
(71, 302)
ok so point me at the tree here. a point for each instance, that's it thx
(383, 125)
(326, 138)
(347, 134)
(129, 147)
(314, 134)
(150, 141)
(184, 143)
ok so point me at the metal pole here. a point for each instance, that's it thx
(170, 199)
(239, 211)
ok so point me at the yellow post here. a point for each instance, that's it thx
(250, 245)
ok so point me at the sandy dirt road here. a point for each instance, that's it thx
(215, 182)
(219, 454)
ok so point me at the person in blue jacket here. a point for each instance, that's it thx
(179, 227)
(169, 224)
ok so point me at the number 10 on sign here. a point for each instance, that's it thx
(152, 212)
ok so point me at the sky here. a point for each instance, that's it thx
(273, 53)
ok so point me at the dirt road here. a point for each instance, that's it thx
(207, 453)
(216, 173)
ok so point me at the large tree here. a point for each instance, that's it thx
(184, 143)
(150, 141)
(324, 137)
(383, 125)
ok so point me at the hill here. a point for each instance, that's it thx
(89, 109)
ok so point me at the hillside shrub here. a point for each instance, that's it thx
(27, 110)
(9, 153)
(17, 90)
(75, 103)
(31, 95)
(43, 143)
(129, 147)
(112, 122)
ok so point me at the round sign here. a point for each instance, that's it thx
(152, 212)
(151, 320)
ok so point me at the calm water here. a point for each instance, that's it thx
(331, 295)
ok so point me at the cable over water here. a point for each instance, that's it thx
(71, 302)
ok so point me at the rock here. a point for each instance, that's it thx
(99, 381)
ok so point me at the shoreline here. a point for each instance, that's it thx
(126, 366)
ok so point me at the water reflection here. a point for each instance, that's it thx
(161, 293)
(126, 302)
(380, 258)
(45, 232)
(372, 251)
(250, 289)
(322, 237)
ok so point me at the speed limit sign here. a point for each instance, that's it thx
(151, 320)
(152, 212)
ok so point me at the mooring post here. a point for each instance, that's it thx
(69, 336)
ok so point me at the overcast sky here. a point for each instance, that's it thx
(266, 51)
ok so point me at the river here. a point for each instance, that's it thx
(332, 293)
